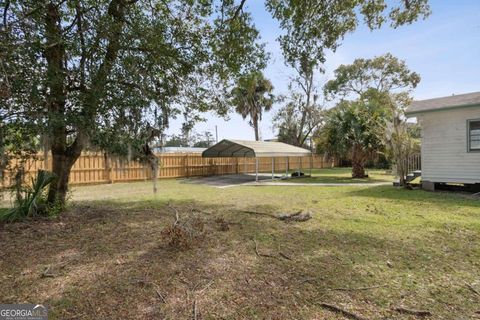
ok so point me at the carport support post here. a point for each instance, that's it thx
(256, 169)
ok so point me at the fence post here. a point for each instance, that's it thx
(286, 167)
(108, 168)
(186, 166)
(273, 168)
(311, 164)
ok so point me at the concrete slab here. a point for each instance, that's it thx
(229, 180)
(265, 179)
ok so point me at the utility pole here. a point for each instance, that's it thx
(216, 134)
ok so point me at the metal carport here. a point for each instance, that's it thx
(255, 149)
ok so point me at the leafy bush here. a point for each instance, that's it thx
(31, 199)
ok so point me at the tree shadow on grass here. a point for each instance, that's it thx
(416, 197)
(343, 175)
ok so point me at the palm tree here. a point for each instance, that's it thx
(251, 97)
(353, 129)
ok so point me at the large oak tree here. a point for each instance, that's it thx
(104, 72)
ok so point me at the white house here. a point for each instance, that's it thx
(450, 139)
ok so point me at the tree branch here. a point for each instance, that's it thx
(83, 49)
(238, 10)
(5, 10)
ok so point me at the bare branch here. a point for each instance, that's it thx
(238, 10)
(5, 10)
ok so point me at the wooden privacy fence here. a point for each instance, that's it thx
(97, 168)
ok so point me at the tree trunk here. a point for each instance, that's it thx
(255, 127)
(61, 166)
(358, 169)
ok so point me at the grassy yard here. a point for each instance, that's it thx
(343, 175)
(367, 250)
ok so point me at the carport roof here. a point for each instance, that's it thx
(259, 149)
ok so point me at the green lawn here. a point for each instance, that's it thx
(367, 250)
(342, 175)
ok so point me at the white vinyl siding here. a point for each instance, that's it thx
(446, 155)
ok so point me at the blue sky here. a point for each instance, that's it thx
(444, 49)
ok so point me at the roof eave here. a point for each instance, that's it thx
(414, 113)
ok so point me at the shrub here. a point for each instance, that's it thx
(30, 200)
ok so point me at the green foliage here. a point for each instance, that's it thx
(198, 140)
(252, 96)
(203, 140)
(353, 130)
(353, 123)
(315, 26)
(384, 73)
(384, 83)
(414, 130)
(31, 199)
(176, 141)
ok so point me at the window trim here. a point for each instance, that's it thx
(469, 149)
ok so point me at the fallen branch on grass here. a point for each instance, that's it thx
(46, 273)
(360, 288)
(420, 313)
(177, 215)
(195, 288)
(345, 313)
(92, 307)
(309, 280)
(298, 216)
(159, 294)
(182, 234)
(285, 256)
(259, 213)
(472, 289)
(194, 309)
(262, 254)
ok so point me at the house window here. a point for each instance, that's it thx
(474, 135)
